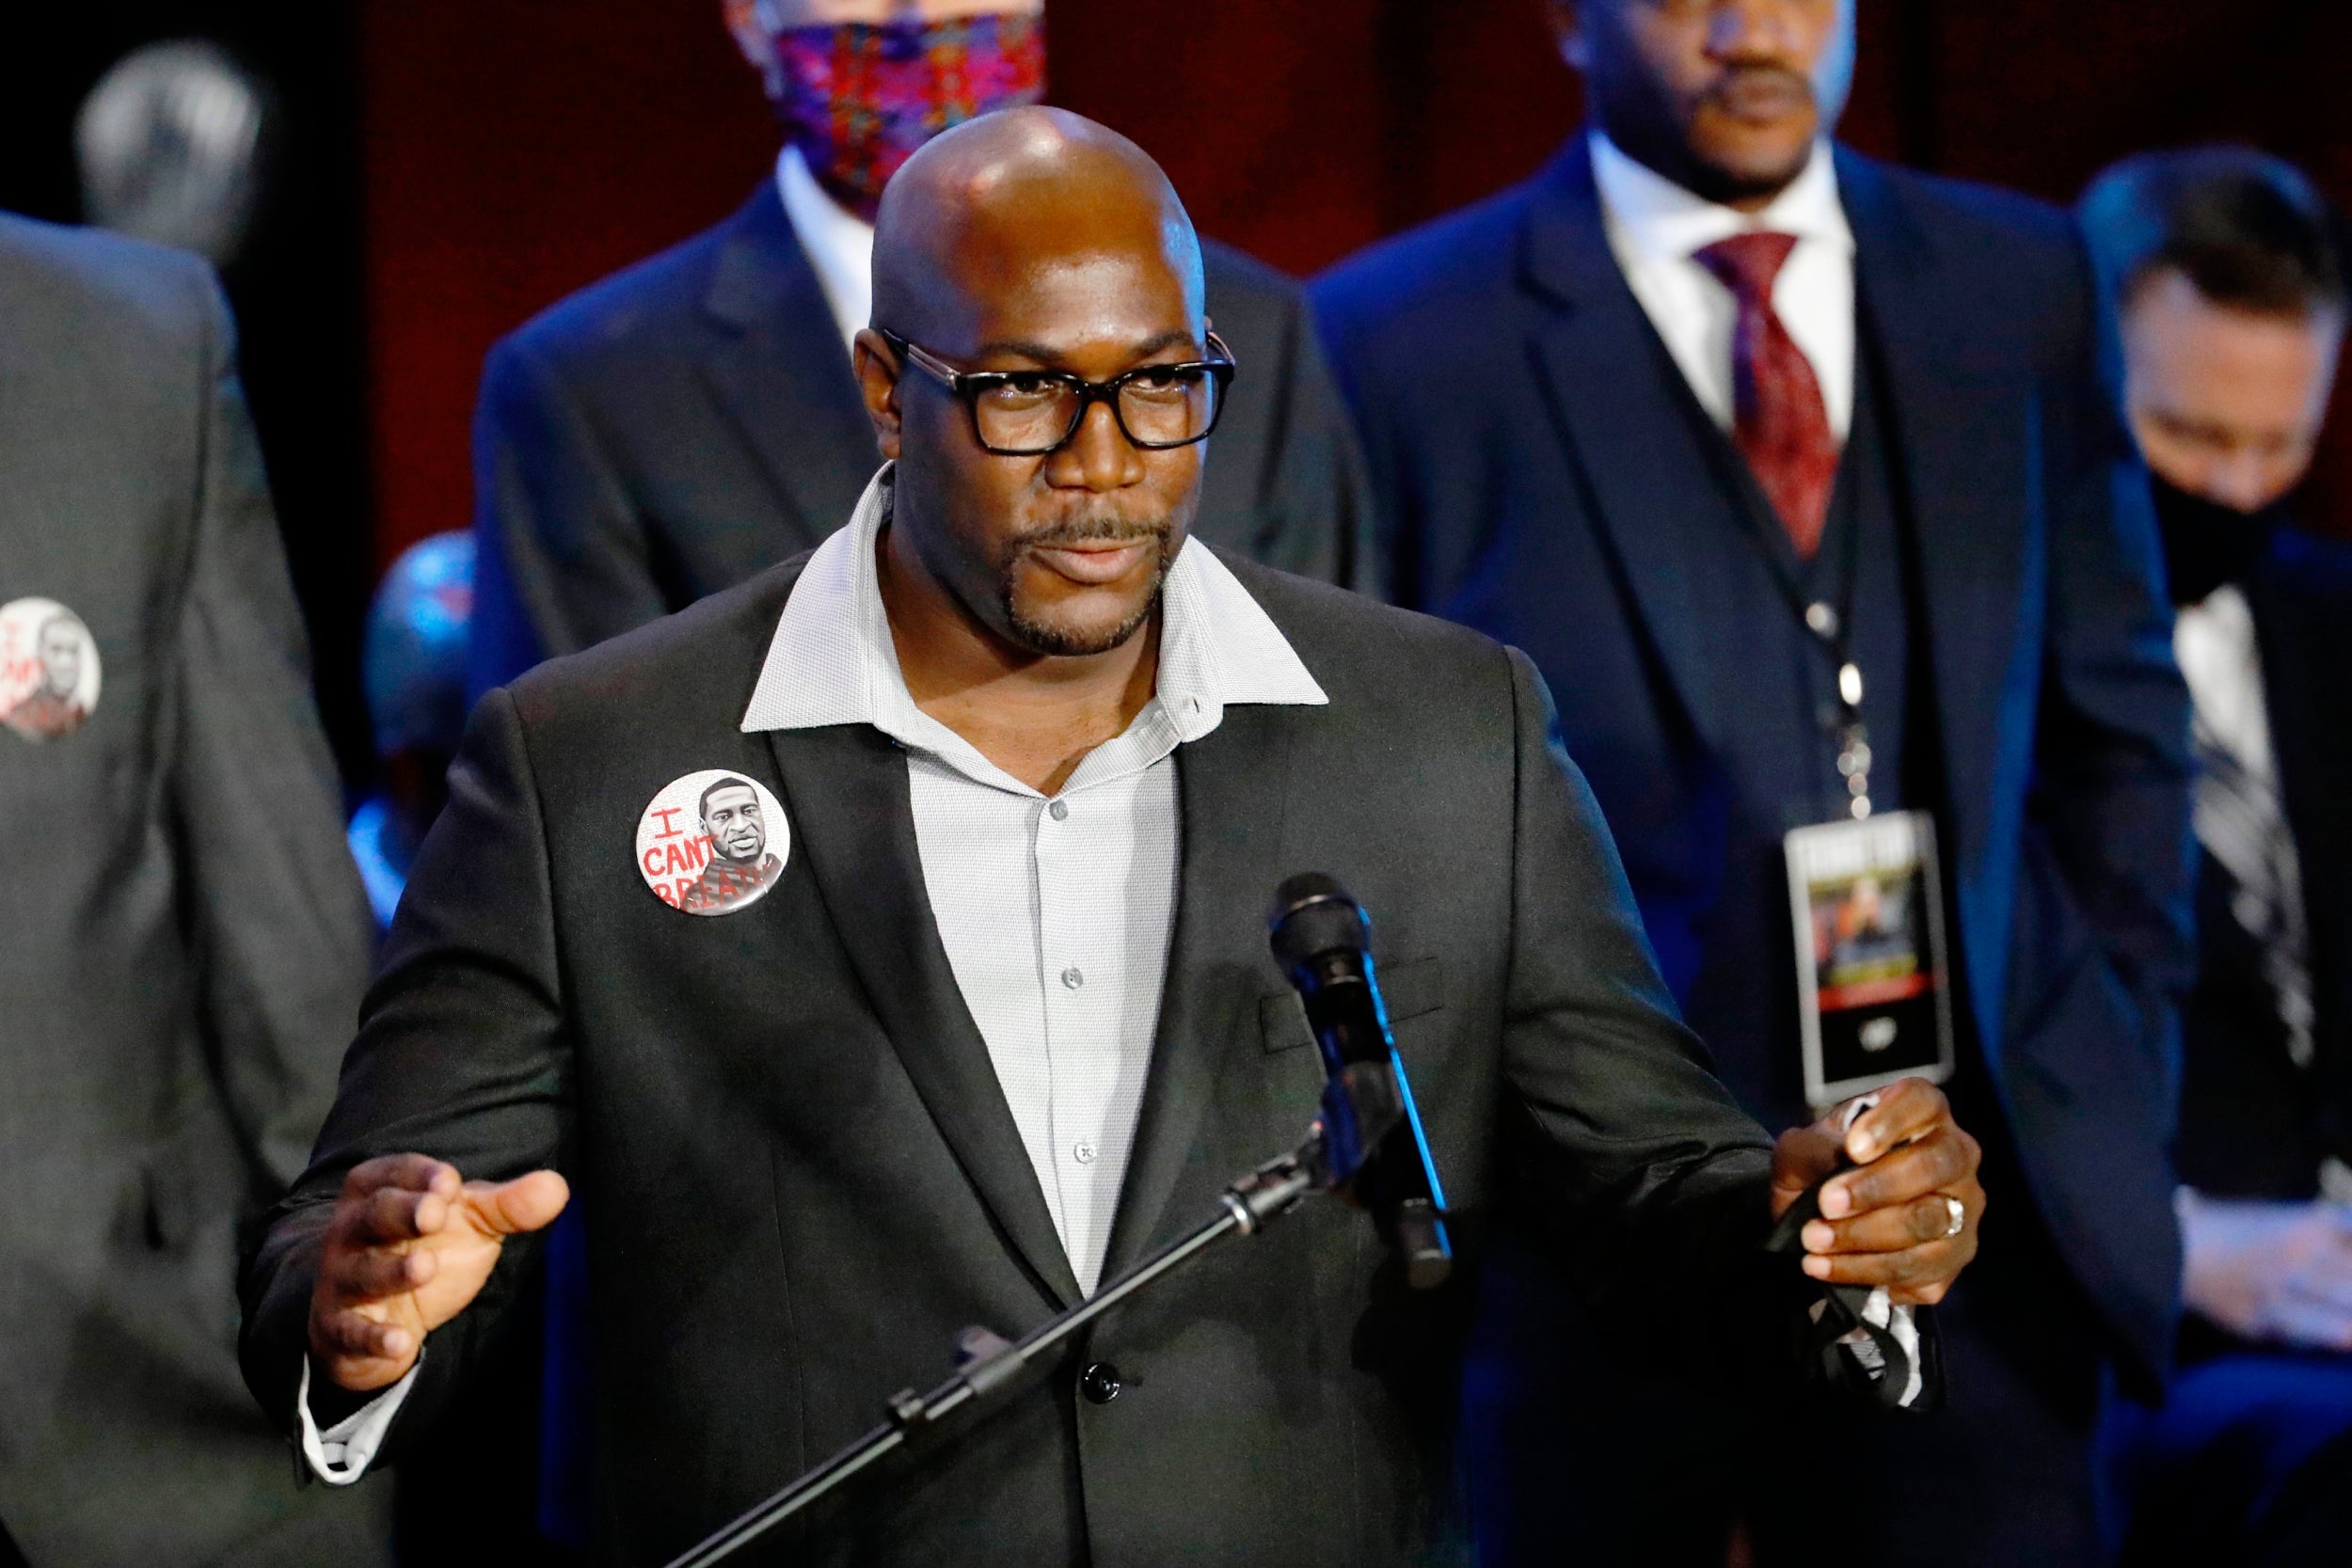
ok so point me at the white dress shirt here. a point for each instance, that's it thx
(2240, 815)
(1655, 226)
(1056, 913)
(838, 243)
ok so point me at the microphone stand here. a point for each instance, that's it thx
(988, 1362)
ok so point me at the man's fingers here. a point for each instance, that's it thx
(2322, 1286)
(375, 1273)
(525, 1203)
(1902, 1271)
(1945, 1159)
(1803, 1156)
(354, 1336)
(417, 1173)
(392, 1214)
(1889, 1229)
(2303, 1321)
(1906, 1110)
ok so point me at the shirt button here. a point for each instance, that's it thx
(1822, 619)
(1073, 978)
(1083, 1153)
(1061, 810)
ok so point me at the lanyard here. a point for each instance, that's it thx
(1828, 623)
(1853, 735)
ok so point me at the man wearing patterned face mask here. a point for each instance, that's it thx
(671, 431)
(857, 97)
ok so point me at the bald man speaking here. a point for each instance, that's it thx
(1002, 1018)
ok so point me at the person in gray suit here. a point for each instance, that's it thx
(189, 940)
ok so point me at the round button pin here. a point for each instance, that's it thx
(48, 669)
(713, 842)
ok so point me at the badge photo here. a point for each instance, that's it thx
(713, 842)
(1871, 978)
(48, 669)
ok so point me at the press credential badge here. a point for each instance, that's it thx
(1871, 979)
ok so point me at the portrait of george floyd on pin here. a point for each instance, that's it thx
(1330, 782)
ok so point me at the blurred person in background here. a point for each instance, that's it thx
(678, 427)
(414, 673)
(189, 940)
(1796, 476)
(2227, 273)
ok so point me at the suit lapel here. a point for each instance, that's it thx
(1233, 786)
(1626, 416)
(846, 790)
(779, 370)
(1963, 445)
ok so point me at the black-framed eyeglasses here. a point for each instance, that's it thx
(1030, 413)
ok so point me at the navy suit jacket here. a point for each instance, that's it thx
(1519, 417)
(691, 421)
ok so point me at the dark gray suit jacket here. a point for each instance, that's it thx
(187, 940)
(803, 1179)
(685, 423)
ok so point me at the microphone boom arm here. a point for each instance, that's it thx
(989, 1363)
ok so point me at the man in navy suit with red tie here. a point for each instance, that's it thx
(1794, 474)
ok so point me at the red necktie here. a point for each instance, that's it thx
(1780, 424)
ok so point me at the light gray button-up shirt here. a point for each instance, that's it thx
(1056, 913)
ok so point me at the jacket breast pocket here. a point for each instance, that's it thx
(1408, 990)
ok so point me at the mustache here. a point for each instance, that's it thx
(1751, 75)
(1107, 529)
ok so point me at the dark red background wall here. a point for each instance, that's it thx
(516, 151)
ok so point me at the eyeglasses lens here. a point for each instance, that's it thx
(1035, 414)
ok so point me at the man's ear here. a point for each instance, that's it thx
(748, 29)
(1567, 30)
(877, 369)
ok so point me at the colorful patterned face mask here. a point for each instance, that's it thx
(858, 97)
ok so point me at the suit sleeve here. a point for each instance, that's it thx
(282, 921)
(562, 557)
(1626, 1152)
(1315, 513)
(2110, 796)
(462, 1053)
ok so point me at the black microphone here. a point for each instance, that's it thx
(1372, 1144)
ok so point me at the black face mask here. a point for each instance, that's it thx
(2207, 544)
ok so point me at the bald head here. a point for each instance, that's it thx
(1035, 249)
(1016, 200)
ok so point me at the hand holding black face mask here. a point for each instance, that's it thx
(2207, 544)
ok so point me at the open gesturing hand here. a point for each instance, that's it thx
(409, 1246)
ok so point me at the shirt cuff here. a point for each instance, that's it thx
(341, 1454)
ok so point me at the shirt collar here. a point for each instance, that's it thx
(839, 244)
(831, 660)
(1658, 220)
